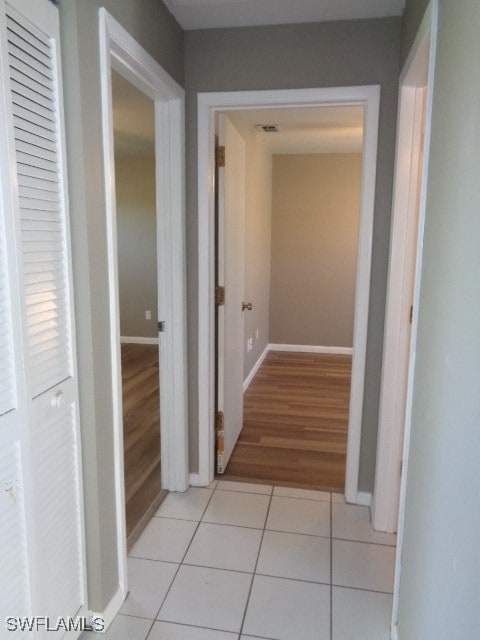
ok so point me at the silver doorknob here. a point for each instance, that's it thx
(247, 305)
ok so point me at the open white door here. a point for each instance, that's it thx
(231, 276)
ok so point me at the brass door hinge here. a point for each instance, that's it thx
(219, 429)
(411, 314)
(219, 421)
(219, 296)
(220, 156)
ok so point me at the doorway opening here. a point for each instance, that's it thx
(121, 54)
(287, 263)
(134, 157)
(208, 105)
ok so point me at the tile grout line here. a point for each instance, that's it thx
(294, 533)
(256, 565)
(150, 630)
(180, 565)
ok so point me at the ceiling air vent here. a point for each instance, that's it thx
(267, 128)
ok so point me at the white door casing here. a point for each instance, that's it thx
(408, 212)
(42, 426)
(119, 51)
(231, 275)
(418, 69)
(208, 105)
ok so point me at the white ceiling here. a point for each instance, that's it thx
(206, 14)
(306, 130)
(133, 118)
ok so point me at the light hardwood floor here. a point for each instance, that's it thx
(295, 422)
(141, 433)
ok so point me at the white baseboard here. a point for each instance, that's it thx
(306, 348)
(364, 498)
(394, 633)
(137, 340)
(195, 480)
(111, 609)
(255, 368)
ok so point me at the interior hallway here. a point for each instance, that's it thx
(295, 422)
(242, 561)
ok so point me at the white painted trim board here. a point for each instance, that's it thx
(306, 348)
(429, 25)
(364, 499)
(111, 610)
(255, 368)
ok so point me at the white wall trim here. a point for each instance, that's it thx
(364, 499)
(138, 340)
(428, 29)
(405, 251)
(394, 633)
(208, 105)
(194, 480)
(255, 368)
(307, 348)
(111, 610)
(119, 51)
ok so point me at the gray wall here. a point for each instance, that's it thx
(440, 588)
(155, 29)
(315, 213)
(137, 244)
(344, 53)
(412, 17)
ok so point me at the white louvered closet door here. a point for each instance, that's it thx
(32, 82)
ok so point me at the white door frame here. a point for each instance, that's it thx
(408, 216)
(419, 69)
(119, 51)
(208, 105)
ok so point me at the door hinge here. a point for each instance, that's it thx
(411, 314)
(161, 326)
(219, 296)
(220, 156)
(219, 430)
(219, 421)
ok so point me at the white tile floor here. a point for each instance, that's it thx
(243, 562)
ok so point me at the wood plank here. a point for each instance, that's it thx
(141, 431)
(295, 422)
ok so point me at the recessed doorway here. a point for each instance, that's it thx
(121, 54)
(209, 105)
(134, 155)
(296, 253)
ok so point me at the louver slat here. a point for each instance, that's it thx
(28, 70)
(41, 87)
(42, 99)
(27, 111)
(36, 125)
(40, 152)
(33, 55)
(22, 57)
